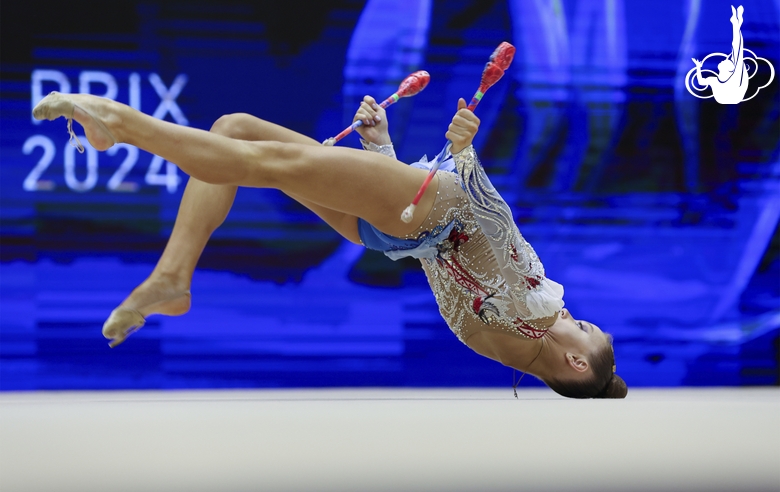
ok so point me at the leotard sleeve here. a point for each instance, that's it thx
(387, 150)
(531, 292)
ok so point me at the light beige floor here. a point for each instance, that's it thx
(390, 440)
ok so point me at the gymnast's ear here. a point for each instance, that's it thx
(577, 362)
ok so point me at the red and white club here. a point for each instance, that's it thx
(494, 69)
(412, 85)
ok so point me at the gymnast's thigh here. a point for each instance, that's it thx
(243, 126)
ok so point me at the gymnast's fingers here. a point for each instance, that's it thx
(370, 101)
(459, 136)
(467, 118)
(365, 114)
(454, 135)
(463, 128)
(371, 110)
(379, 111)
(466, 123)
(460, 131)
(371, 113)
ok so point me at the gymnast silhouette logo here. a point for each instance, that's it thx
(730, 84)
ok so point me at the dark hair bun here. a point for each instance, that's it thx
(616, 388)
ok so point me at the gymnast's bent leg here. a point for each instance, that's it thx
(242, 126)
(203, 208)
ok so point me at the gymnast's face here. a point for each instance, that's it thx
(576, 341)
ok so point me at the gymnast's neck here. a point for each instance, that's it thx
(511, 351)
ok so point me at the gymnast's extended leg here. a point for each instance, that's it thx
(737, 43)
(364, 184)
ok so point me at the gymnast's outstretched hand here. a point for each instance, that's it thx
(373, 116)
(463, 128)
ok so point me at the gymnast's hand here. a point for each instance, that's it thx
(463, 128)
(374, 129)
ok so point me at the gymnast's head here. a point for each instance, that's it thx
(579, 361)
(725, 69)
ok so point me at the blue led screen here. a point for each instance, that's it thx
(657, 210)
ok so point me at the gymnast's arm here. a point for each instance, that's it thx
(701, 81)
(532, 294)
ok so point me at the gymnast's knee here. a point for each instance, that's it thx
(276, 163)
(236, 125)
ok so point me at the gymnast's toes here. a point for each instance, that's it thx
(53, 106)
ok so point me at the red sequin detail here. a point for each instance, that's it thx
(528, 330)
(457, 238)
(477, 305)
(462, 276)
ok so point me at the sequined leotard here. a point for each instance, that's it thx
(483, 273)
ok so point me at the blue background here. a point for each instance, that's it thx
(657, 211)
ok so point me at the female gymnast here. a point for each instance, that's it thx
(487, 280)
(731, 84)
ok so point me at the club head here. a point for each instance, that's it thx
(503, 55)
(414, 83)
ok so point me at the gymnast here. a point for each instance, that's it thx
(731, 84)
(487, 280)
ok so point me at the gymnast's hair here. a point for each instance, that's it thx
(604, 383)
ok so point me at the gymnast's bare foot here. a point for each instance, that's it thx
(159, 294)
(99, 116)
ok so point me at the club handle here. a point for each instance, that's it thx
(408, 213)
(435, 167)
(476, 99)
